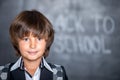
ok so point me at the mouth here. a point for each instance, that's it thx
(32, 52)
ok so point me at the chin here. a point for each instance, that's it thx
(34, 58)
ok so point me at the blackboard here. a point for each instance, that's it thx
(87, 35)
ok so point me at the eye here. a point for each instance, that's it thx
(39, 39)
(26, 39)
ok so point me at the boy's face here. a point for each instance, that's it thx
(32, 48)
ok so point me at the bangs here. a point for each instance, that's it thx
(34, 31)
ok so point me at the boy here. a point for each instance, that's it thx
(32, 35)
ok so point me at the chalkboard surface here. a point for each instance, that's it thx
(87, 35)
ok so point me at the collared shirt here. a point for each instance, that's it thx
(36, 76)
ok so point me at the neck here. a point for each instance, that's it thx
(31, 66)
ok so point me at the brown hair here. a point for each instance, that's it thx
(31, 22)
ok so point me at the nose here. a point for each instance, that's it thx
(32, 43)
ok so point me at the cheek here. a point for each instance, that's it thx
(22, 47)
(42, 45)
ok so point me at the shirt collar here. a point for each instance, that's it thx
(19, 64)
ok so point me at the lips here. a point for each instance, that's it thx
(32, 52)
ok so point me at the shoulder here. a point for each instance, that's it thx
(4, 70)
(5, 67)
(59, 72)
(56, 68)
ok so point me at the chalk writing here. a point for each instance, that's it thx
(84, 44)
(72, 23)
(83, 34)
